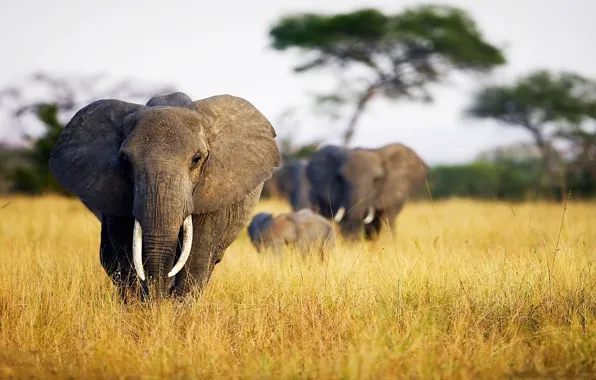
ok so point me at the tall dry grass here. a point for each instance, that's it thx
(468, 290)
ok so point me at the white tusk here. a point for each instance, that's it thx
(186, 246)
(137, 250)
(340, 214)
(370, 216)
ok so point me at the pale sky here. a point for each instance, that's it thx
(206, 48)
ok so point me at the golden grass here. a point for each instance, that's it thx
(470, 289)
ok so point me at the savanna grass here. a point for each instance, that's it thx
(468, 290)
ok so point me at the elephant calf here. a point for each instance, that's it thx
(303, 229)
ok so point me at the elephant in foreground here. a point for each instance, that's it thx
(303, 229)
(364, 187)
(289, 182)
(173, 182)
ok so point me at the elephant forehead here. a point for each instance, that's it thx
(363, 162)
(165, 120)
(168, 128)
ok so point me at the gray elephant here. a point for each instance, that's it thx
(289, 182)
(364, 187)
(173, 182)
(306, 231)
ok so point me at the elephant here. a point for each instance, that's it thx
(302, 229)
(289, 182)
(171, 181)
(364, 187)
(300, 186)
(327, 185)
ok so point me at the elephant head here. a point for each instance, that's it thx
(365, 184)
(327, 185)
(257, 226)
(161, 163)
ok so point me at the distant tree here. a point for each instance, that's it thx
(581, 171)
(503, 179)
(548, 105)
(395, 56)
(35, 178)
(519, 169)
(518, 152)
(53, 101)
(11, 158)
(291, 150)
(21, 102)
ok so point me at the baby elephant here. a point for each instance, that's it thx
(302, 229)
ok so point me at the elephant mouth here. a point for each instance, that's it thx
(370, 215)
(137, 248)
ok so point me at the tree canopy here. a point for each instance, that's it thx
(537, 101)
(36, 178)
(548, 105)
(396, 55)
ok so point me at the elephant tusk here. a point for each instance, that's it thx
(340, 214)
(137, 249)
(370, 216)
(186, 246)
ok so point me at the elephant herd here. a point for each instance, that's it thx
(361, 189)
(174, 181)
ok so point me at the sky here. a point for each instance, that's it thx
(204, 48)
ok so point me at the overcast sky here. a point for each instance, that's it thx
(212, 47)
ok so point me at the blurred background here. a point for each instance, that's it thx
(497, 96)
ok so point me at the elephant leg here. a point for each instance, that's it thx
(107, 255)
(303, 246)
(390, 219)
(197, 271)
(119, 229)
(373, 229)
(213, 233)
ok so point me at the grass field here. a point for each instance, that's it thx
(468, 290)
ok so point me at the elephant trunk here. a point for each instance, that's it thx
(160, 218)
(356, 209)
(156, 258)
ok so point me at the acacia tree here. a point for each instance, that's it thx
(549, 106)
(390, 55)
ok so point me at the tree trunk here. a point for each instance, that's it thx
(554, 167)
(362, 102)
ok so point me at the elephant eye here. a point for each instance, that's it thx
(124, 164)
(196, 158)
(123, 159)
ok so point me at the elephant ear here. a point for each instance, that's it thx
(242, 152)
(405, 171)
(85, 158)
(324, 166)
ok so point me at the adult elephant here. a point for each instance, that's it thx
(327, 186)
(300, 186)
(171, 180)
(364, 187)
(289, 182)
